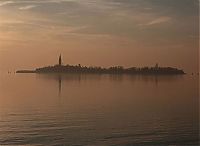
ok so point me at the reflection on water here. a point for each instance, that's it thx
(92, 109)
(119, 78)
(59, 83)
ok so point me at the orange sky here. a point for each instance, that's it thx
(99, 33)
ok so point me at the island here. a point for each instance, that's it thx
(60, 68)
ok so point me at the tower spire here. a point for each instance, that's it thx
(60, 60)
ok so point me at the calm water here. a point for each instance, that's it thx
(98, 110)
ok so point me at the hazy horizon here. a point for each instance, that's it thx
(99, 33)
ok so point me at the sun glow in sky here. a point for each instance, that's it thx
(99, 33)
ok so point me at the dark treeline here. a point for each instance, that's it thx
(111, 70)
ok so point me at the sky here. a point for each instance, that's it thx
(99, 33)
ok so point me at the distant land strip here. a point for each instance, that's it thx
(99, 70)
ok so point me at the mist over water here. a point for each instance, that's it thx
(91, 109)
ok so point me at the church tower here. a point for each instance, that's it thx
(60, 60)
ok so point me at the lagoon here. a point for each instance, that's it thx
(100, 110)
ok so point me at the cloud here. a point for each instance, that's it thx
(110, 17)
(27, 7)
(158, 21)
(6, 3)
(7, 22)
(3, 3)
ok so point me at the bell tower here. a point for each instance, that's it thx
(60, 60)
